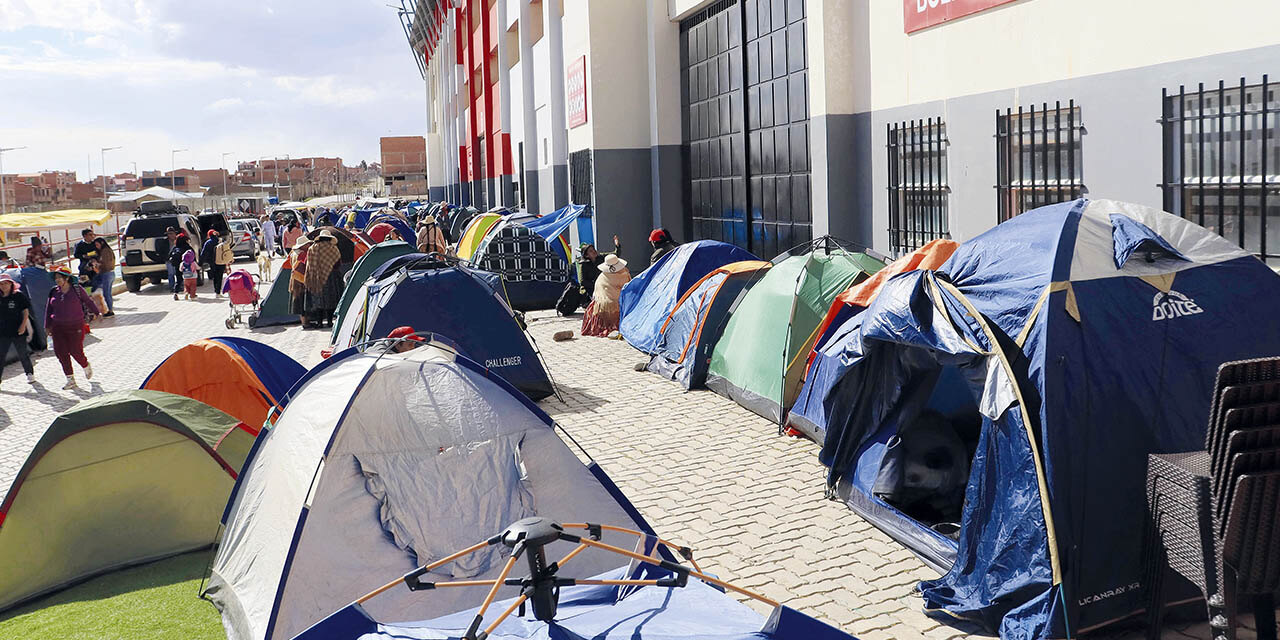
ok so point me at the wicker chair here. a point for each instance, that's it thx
(1214, 515)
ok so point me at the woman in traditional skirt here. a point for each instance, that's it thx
(324, 279)
(298, 278)
(602, 314)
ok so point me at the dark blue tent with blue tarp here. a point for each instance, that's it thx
(650, 297)
(402, 228)
(452, 300)
(1076, 339)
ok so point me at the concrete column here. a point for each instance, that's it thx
(507, 190)
(839, 143)
(529, 181)
(436, 180)
(665, 136)
(551, 18)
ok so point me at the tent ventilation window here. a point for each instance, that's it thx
(1222, 160)
(1038, 159)
(918, 189)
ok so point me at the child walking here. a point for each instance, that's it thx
(190, 273)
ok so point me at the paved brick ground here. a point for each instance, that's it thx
(703, 470)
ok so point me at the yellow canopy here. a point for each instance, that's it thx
(47, 220)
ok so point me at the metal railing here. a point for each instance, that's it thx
(1221, 149)
(918, 190)
(1032, 150)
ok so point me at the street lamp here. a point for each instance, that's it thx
(104, 151)
(2, 150)
(173, 168)
(225, 200)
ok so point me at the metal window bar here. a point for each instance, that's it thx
(917, 185)
(581, 189)
(1231, 134)
(1038, 140)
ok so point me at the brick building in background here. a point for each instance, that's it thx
(404, 165)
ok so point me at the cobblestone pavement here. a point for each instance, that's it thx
(700, 468)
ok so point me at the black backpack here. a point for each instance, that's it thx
(569, 301)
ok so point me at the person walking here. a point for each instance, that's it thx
(190, 273)
(211, 258)
(38, 255)
(15, 325)
(171, 267)
(269, 235)
(86, 252)
(603, 313)
(291, 234)
(106, 273)
(64, 319)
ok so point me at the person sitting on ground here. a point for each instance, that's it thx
(603, 313)
(589, 260)
(662, 244)
(402, 339)
(430, 239)
(38, 255)
(6, 262)
(106, 269)
(65, 315)
(15, 325)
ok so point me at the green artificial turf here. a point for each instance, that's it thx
(153, 601)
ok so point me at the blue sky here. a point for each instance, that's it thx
(257, 78)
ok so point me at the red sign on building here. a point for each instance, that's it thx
(920, 14)
(576, 87)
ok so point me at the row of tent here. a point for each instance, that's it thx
(367, 466)
(1032, 368)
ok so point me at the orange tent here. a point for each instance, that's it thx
(929, 257)
(242, 378)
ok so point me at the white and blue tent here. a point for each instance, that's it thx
(1076, 339)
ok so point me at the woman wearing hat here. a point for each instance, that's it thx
(69, 308)
(15, 324)
(603, 313)
(430, 239)
(323, 279)
(298, 279)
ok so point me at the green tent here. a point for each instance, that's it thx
(759, 360)
(375, 257)
(274, 309)
(124, 478)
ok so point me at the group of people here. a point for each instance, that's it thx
(317, 279)
(602, 277)
(67, 313)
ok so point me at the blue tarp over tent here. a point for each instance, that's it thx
(648, 299)
(463, 305)
(556, 223)
(1087, 334)
(402, 228)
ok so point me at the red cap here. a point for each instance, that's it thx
(405, 332)
(212, 233)
(657, 235)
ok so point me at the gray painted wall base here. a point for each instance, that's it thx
(508, 191)
(530, 187)
(841, 148)
(624, 202)
(666, 177)
(435, 194)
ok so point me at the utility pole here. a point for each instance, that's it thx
(2, 150)
(104, 151)
(173, 168)
(225, 196)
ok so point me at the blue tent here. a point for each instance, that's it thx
(464, 305)
(689, 333)
(1076, 339)
(36, 283)
(649, 297)
(402, 228)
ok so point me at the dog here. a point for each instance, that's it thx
(264, 267)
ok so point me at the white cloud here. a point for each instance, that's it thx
(224, 104)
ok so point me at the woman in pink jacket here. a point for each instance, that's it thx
(64, 319)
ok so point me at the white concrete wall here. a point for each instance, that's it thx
(680, 9)
(1035, 41)
(578, 20)
(617, 76)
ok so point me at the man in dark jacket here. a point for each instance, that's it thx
(85, 252)
(662, 244)
(177, 249)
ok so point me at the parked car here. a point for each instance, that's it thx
(146, 248)
(248, 232)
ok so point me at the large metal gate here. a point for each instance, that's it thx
(744, 95)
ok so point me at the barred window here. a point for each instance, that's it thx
(1221, 156)
(581, 188)
(1038, 159)
(917, 184)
